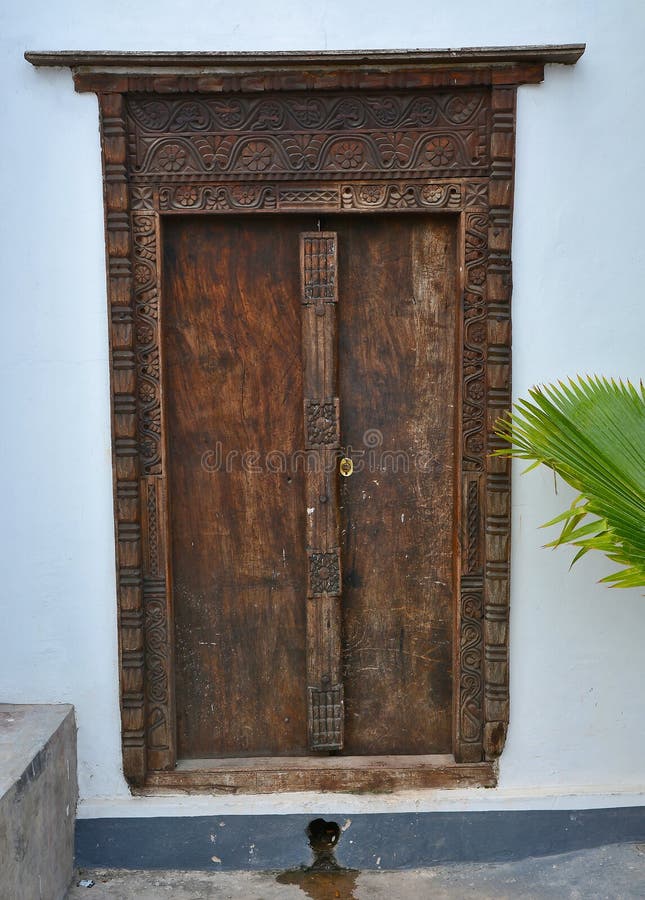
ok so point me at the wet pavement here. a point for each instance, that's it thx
(607, 873)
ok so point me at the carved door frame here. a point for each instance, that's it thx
(321, 134)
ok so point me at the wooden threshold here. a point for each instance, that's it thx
(355, 774)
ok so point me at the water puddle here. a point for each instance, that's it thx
(324, 879)
(322, 885)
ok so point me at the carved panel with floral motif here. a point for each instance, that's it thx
(295, 136)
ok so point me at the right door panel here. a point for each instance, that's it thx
(398, 309)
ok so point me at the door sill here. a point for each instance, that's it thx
(351, 774)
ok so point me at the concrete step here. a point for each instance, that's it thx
(38, 795)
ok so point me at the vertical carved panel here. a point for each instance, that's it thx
(318, 258)
(124, 431)
(472, 518)
(156, 578)
(160, 728)
(318, 254)
(498, 470)
(469, 700)
(326, 717)
(146, 247)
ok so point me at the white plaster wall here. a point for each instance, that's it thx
(577, 670)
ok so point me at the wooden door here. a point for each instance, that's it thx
(262, 657)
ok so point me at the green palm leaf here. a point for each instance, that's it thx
(592, 433)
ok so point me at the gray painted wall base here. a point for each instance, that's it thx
(369, 841)
(38, 795)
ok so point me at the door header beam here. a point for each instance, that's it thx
(110, 71)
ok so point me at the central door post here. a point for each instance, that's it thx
(319, 294)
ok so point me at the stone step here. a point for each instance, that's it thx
(38, 795)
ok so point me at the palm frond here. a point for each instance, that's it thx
(592, 433)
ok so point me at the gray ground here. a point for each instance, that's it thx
(611, 872)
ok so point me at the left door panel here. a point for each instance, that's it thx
(232, 371)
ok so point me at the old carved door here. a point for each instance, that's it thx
(309, 257)
(313, 611)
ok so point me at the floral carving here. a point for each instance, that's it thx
(477, 275)
(476, 390)
(423, 111)
(146, 392)
(186, 195)
(477, 195)
(348, 155)
(371, 193)
(324, 573)
(440, 151)
(461, 107)
(257, 156)
(289, 134)
(322, 422)
(477, 334)
(144, 333)
(475, 443)
(142, 198)
(432, 193)
(148, 449)
(395, 148)
(349, 113)
(386, 111)
(214, 149)
(470, 656)
(172, 157)
(308, 113)
(269, 115)
(404, 198)
(141, 274)
(191, 115)
(228, 111)
(244, 196)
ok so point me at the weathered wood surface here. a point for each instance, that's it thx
(397, 361)
(205, 72)
(566, 54)
(347, 774)
(233, 374)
